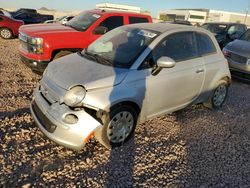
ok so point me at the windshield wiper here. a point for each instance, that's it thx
(97, 58)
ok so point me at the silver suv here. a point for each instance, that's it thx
(129, 75)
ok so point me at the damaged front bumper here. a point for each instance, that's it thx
(50, 118)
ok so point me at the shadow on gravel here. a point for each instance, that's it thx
(18, 112)
(217, 144)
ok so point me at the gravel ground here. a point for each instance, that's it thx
(195, 147)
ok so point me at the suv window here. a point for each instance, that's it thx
(179, 46)
(205, 44)
(246, 36)
(21, 16)
(133, 20)
(241, 28)
(232, 29)
(112, 22)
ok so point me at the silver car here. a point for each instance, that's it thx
(126, 77)
(238, 56)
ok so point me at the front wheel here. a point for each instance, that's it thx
(118, 126)
(218, 96)
(5, 33)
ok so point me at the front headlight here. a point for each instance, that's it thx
(74, 96)
(36, 45)
(35, 41)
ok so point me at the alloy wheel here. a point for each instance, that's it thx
(220, 95)
(5, 33)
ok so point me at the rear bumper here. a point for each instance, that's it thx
(35, 65)
(239, 70)
(49, 119)
(239, 74)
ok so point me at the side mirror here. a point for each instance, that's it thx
(166, 62)
(100, 30)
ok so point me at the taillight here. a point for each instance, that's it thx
(226, 53)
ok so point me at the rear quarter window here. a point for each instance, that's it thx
(134, 20)
(205, 44)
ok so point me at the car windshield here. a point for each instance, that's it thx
(215, 28)
(121, 47)
(245, 36)
(83, 21)
(60, 18)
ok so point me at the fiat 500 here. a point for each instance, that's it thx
(126, 77)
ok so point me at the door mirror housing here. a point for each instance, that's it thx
(100, 30)
(166, 62)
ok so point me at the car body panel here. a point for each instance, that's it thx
(76, 135)
(84, 72)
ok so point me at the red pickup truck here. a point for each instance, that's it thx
(42, 43)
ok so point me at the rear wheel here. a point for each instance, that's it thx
(118, 126)
(218, 96)
(6, 33)
(62, 53)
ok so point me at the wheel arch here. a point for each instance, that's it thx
(128, 103)
(56, 51)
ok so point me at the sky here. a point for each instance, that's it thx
(152, 5)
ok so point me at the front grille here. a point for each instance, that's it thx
(238, 59)
(45, 122)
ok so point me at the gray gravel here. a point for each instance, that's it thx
(195, 147)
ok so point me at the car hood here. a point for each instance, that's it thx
(40, 29)
(74, 70)
(240, 47)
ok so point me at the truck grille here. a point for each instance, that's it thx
(238, 59)
(45, 122)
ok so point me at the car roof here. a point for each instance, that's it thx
(103, 12)
(225, 23)
(164, 27)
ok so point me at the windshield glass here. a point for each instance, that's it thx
(60, 18)
(215, 28)
(122, 46)
(83, 21)
(245, 36)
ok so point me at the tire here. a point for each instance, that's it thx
(218, 96)
(6, 33)
(62, 53)
(113, 135)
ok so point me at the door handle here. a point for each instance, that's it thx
(199, 70)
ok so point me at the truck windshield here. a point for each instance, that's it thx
(83, 21)
(120, 47)
(215, 28)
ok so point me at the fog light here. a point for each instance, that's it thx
(34, 63)
(71, 119)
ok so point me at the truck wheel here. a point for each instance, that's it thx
(218, 96)
(5, 33)
(62, 53)
(118, 126)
